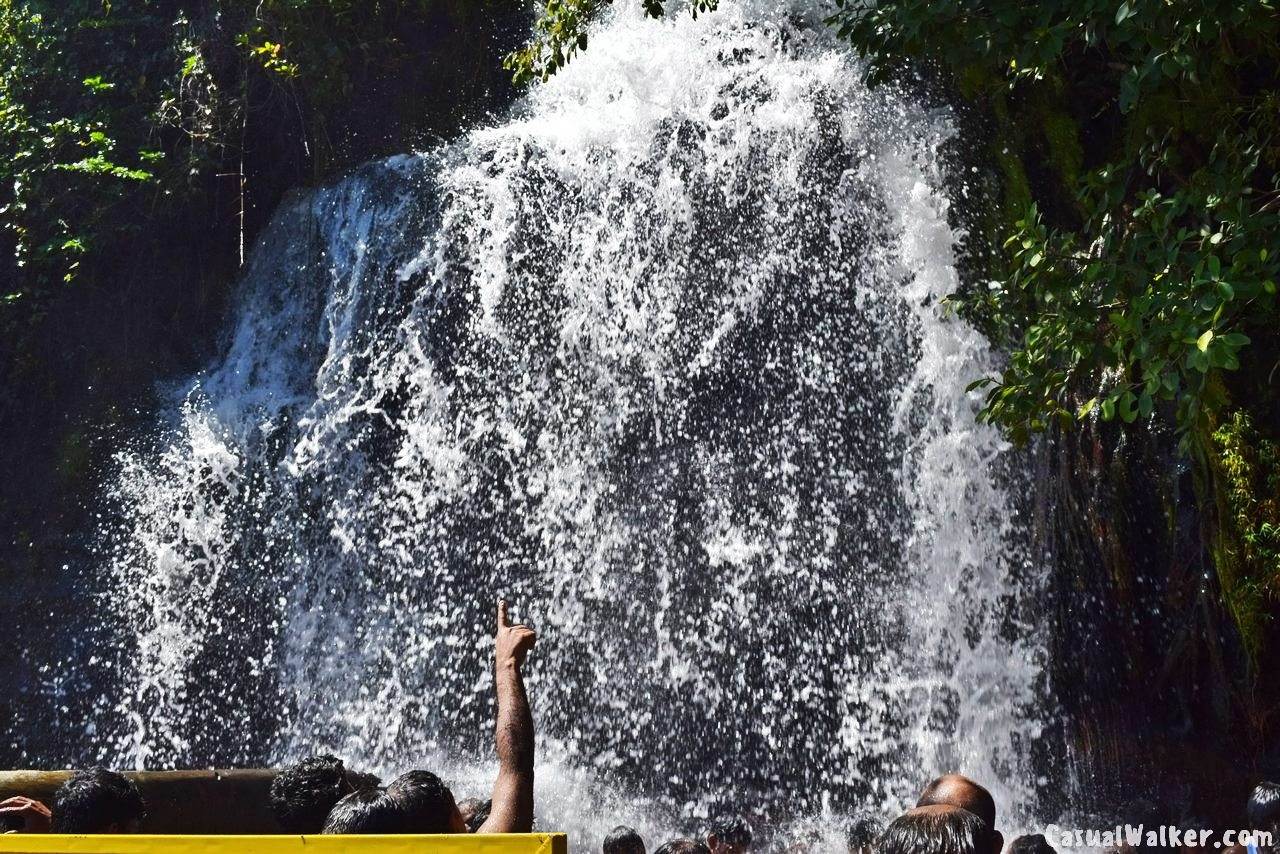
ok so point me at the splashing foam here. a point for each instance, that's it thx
(661, 358)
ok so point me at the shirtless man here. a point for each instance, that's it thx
(429, 806)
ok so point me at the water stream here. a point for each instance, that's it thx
(661, 357)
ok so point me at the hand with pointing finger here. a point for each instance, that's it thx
(513, 641)
(511, 809)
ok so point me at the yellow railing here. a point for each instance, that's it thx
(488, 843)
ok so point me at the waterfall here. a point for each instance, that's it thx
(660, 356)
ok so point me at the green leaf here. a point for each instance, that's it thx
(1127, 412)
(1202, 343)
(97, 84)
(99, 165)
(1146, 404)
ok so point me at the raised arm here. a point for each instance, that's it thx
(512, 810)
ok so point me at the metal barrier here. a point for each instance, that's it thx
(204, 807)
(489, 843)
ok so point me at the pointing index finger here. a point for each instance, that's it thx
(503, 620)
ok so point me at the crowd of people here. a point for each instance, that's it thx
(319, 795)
(954, 815)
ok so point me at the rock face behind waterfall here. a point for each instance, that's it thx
(663, 363)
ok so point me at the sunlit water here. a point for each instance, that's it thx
(660, 357)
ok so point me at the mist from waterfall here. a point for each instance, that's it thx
(661, 357)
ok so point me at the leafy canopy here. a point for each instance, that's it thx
(561, 31)
(114, 112)
(1162, 269)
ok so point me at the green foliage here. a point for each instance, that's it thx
(113, 112)
(59, 140)
(1160, 269)
(82, 139)
(561, 31)
(270, 55)
(322, 46)
(1248, 551)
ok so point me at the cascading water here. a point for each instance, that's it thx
(661, 358)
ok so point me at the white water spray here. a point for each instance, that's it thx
(660, 358)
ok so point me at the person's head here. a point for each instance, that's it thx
(365, 811)
(302, 795)
(427, 803)
(97, 801)
(682, 846)
(474, 811)
(1263, 809)
(957, 790)
(623, 840)
(728, 835)
(863, 831)
(936, 829)
(1031, 843)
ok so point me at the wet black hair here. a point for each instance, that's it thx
(952, 831)
(731, 830)
(365, 811)
(1263, 810)
(425, 801)
(683, 846)
(302, 795)
(95, 801)
(1031, 843)
(623, 840)
(863, 831)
